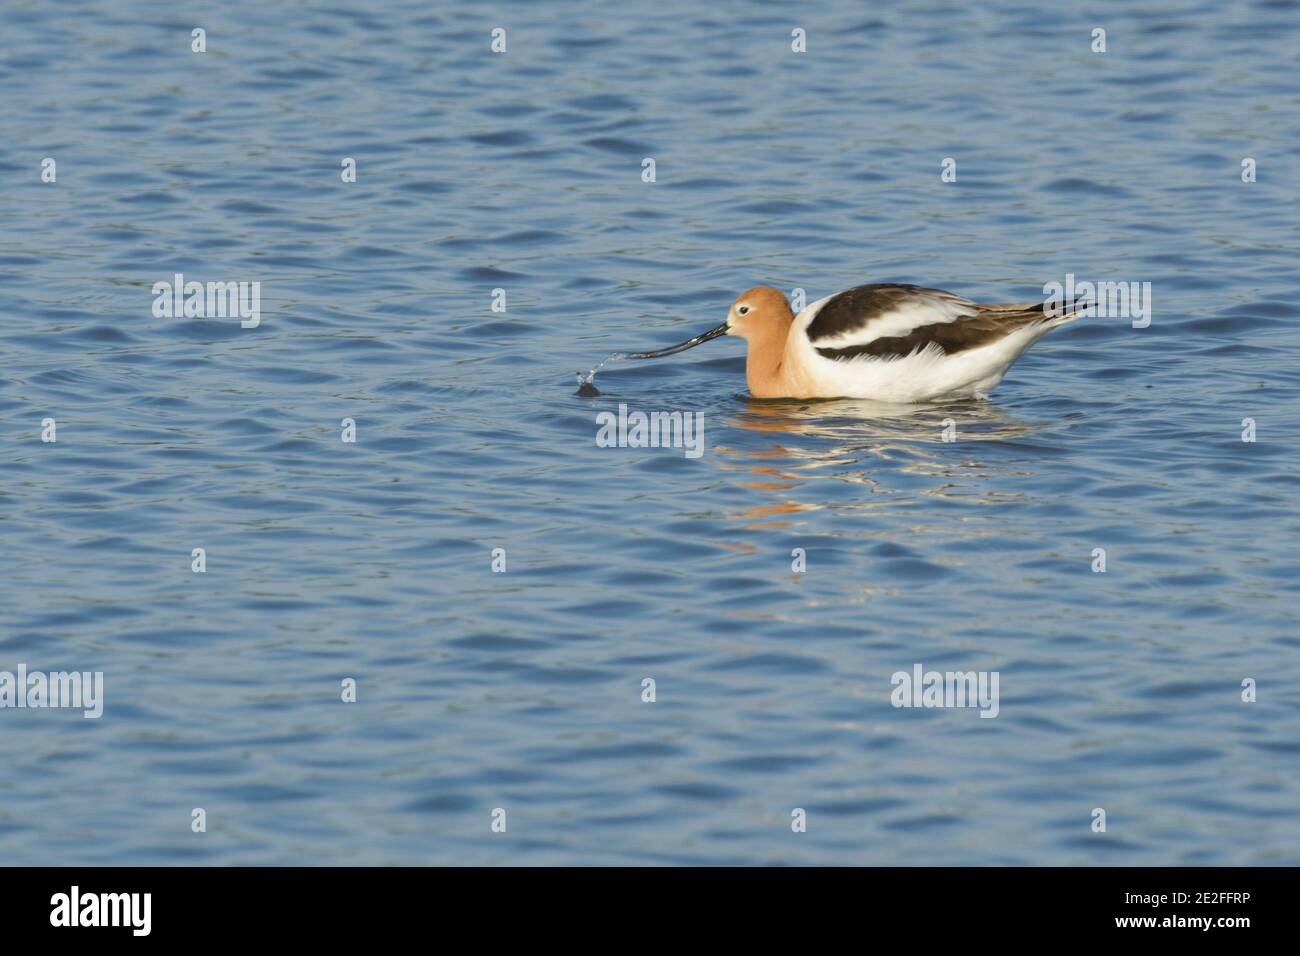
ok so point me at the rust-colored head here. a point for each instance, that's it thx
(758, 313)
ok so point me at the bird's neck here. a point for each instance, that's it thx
(766, 363)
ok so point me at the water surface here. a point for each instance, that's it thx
(523, 690)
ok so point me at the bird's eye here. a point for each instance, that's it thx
(743, 310)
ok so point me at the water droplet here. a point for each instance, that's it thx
(587, 384)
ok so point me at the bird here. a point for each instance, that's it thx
(887, 342)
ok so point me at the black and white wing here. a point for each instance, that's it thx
(889, 320)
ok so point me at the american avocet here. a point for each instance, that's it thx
(890, 343)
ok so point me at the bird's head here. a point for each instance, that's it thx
(756, 316)
(760, 311)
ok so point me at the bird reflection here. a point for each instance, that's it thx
(891, 449)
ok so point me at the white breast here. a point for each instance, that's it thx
(923, 376)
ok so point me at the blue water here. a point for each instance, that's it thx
(522, 690)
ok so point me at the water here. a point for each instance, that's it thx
(587, 383)
(522, 690)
